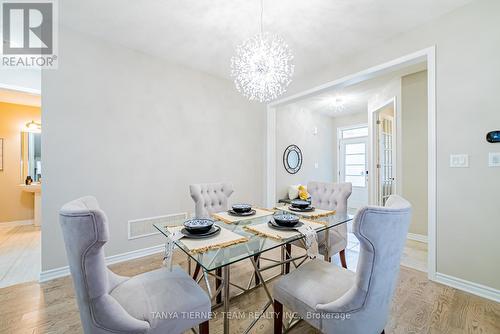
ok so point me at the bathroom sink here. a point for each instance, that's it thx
(32, 188)
(36, 189)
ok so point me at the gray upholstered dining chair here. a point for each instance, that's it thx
(210, 198)
(153, 302)
(331, 196)
(336, 300)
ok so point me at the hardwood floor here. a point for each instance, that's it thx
(19, 253)
(419, 305)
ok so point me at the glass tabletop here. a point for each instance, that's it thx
(256, 244)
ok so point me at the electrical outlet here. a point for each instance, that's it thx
(494, 159)
(459, 160)
(316, 165)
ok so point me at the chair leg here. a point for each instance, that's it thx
(196, 271)
(278, 317)
(342, 258)
(288, 256)
(383, 331)
(204, 328)
(218, 282)
(257, 261)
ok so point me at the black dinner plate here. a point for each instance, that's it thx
(241, 208)
(286, 219)
(242, 214)
(212, 232)
(308, 209)
(273, 224)
(301, 204)
(198, 225)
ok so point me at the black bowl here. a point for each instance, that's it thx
(300, 204)
(241, 208)
(286, 219)
(198, 225)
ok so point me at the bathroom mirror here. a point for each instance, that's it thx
(292, 159)
(31, 156)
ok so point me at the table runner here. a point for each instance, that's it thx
(263, 229)
(317, 213)
(229, 219)
(224, 239)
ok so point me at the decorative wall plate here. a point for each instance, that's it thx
(292, 159)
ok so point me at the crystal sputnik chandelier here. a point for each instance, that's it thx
(262, 67)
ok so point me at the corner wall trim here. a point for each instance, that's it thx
(467, 286)
(64, 271)
(417, 237)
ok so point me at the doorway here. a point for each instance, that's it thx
(353, 163)
(428, 56)
(20, 186)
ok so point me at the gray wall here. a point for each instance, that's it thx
(295, 125)
(135, 131)
(468, 77)
(414, 150)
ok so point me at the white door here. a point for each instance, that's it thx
(353, 168)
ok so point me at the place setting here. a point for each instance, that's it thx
(202, 234)
(282, 226)
(304, 208)
(298, 205)
(200, 228)
(240, 212)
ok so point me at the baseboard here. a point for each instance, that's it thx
(17, 223)
(51, 274)
(417, 237)
(471, 287)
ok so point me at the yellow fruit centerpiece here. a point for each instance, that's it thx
(303, 194)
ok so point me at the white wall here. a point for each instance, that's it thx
(468, 76)
(26, 80)
(414, 150)
(135, 131)
(295, 125)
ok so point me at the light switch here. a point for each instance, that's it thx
(315, 131)
(459, 160)
(316, 165)
(494, 159)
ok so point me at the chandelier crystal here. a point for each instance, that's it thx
(263, 67)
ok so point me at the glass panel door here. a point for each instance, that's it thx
(385, 163)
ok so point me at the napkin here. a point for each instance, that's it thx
(311, 240)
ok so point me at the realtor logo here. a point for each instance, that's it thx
(29, 34)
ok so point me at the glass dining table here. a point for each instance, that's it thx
(217, 262)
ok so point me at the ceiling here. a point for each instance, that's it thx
(355, 97)
(202, 34)
(16, 97)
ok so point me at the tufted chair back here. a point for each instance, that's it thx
(210, 198)
(85, 230)
(382, 235)
(330, 196)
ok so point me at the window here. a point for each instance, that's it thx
(354, 132)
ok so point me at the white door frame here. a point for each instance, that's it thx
(339, 132)
(429, 55)
(372, 163)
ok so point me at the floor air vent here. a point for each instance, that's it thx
(141, 228)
